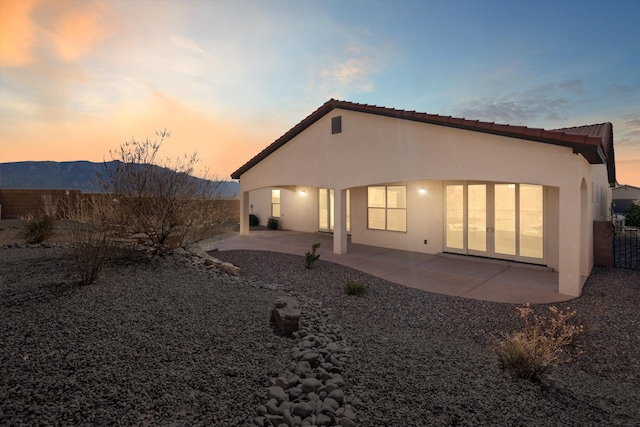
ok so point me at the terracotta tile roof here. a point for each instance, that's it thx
(603, 132)
(594, 142)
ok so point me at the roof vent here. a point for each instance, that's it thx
(336, 124)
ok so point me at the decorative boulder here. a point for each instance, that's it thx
(286, 315)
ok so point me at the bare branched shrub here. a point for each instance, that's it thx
(531, 352)
(50, 205)
(89, 229)
(160, 199)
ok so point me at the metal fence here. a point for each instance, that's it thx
(626, 247)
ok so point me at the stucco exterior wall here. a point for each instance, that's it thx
(299, 207)
(375, 149)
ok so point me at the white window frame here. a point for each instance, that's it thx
(384, 207)
(274, 204)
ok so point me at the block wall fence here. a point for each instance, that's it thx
(16, 204)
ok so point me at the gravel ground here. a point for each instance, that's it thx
(166, 343)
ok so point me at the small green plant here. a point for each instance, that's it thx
(272, 224)
(311, 257)
(355, 287)
(253, 220)
(533, 351)
(632, 215)
(37, 230)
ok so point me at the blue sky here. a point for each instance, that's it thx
(77, 78)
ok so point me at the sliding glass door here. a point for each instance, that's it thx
(326, 210)
(495, 220)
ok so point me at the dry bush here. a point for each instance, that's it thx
(531, 352)
(90, 233)
(356, 288)
(50, 205)
(37, 230)
(160, 199)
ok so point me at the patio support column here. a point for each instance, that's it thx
(340, 222)
(244, 213)
(570, 242)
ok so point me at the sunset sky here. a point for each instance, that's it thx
(227, 78)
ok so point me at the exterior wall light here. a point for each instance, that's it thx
(303, 192)
(423, 190)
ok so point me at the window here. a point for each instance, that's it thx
(387, 207)
(275, 203)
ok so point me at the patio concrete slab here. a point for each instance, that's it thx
(433, 281)
(468, 277)
(465, 266)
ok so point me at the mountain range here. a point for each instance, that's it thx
(77, 175)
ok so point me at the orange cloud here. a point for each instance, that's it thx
(69, 28)
(79, 27)
(17, 32)
(222, 144)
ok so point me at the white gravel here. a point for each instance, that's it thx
(164, 343)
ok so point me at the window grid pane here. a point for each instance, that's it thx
(397, 197)
(397, 219)
(376, 197)
(377, 219)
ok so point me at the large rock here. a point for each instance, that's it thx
(286, 315)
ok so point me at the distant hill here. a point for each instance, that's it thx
(78, 175)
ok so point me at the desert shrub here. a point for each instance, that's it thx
(161, 199)
(253, 220)
(272, 223)
(632, 215)
(355, 287)
(311, 257)
(38, 230)
(533, 351)
(89, 228)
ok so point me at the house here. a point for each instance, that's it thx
(428, 183)
(623, 197)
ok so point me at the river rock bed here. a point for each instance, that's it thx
(314, 390)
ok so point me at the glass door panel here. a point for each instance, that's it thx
(454, 216)
(326, 210)
(331, 209)
(504, 224)
(323, 210)
(531, 221)
(477, 217)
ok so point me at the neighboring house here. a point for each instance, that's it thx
(623, 197)
(428, 183)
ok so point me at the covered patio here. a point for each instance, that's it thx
(448, 274)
